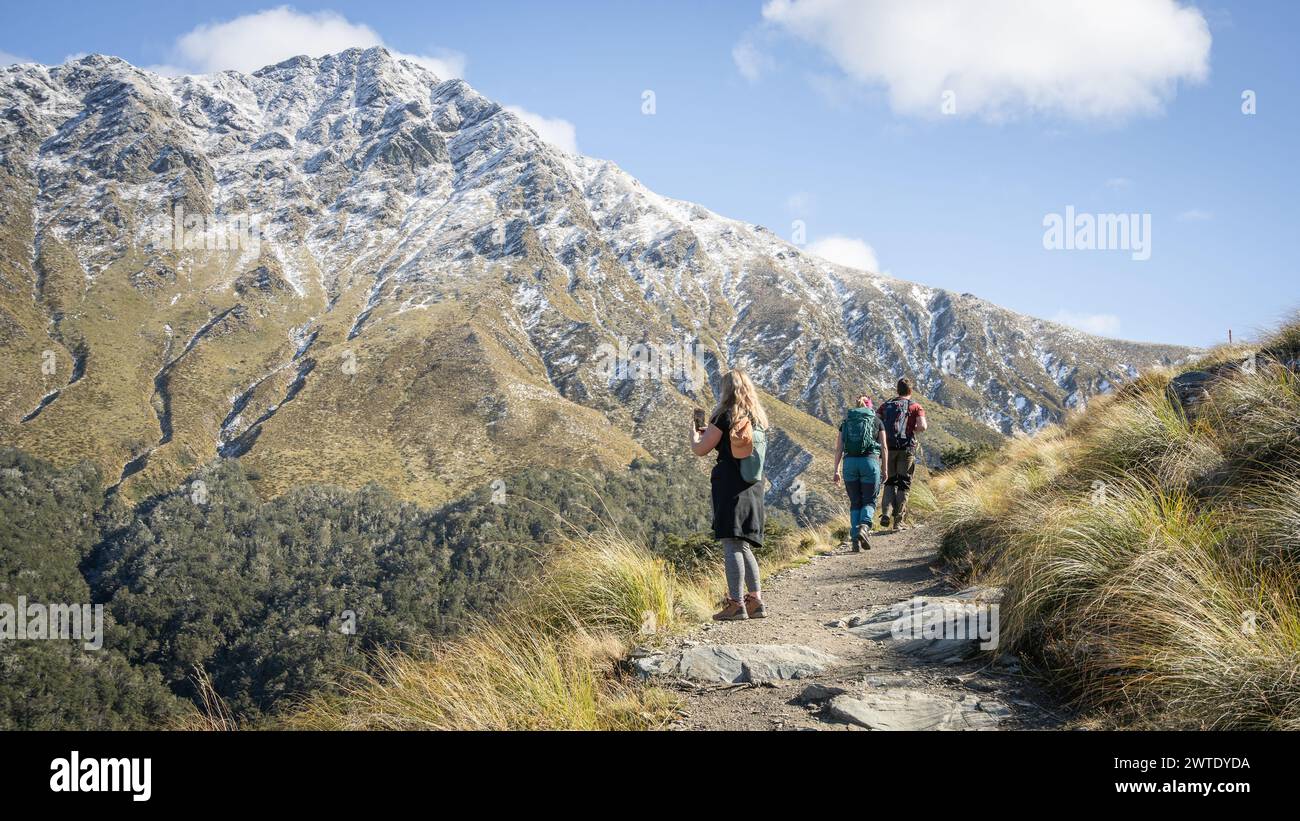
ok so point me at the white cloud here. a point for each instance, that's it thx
(560, 133)
(1099, 324)
(1119, 183)
(252, 41)
(750, 61)
(1082, 59)
(1195, 215)
(7, 59)
(446, 64)
(847, 251)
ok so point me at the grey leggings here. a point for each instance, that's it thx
(741, 565)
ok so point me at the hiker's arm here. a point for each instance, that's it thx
(703, 441)
(921, 424)
(839, 454)
(884, 456)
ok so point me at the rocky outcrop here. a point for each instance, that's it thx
(916, 710)
(946, 628)
(739, 663)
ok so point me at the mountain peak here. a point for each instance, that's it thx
(398, 216)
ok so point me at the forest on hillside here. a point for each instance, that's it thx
(269, 600)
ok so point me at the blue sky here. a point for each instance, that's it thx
(822, 112)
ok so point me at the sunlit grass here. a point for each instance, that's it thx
(1150, 559)
(552, 659)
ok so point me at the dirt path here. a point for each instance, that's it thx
(874, 674)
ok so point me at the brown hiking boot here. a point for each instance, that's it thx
(732, 610)
(900, 521)
(857, 544)
(754, 607)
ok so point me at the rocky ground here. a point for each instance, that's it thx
(828, 657)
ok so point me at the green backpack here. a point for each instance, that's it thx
(748, 448)
(860, 432)
(751, 467)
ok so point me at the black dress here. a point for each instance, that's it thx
(737, 504)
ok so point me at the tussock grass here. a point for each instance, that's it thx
(211, 714)
(1277, 509)
(512, 675)
(548, 661)
(606, 582)
(1150, 560)
(553, 659)
(1254, 417)
(1286, 339)
(921, 500)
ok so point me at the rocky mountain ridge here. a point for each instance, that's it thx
(431, 292)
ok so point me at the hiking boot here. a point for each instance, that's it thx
(866, 543)
(884, 521)
(857, 544)
(732, 610)
(754, 607)
(899, 522)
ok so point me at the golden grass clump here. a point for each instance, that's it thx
(552, 660)
(1150, 559)
(549, 661)
(511, 675)
(605, 581)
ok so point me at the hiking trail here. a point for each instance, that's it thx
(824, 658)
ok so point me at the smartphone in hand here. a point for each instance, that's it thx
(700, 421)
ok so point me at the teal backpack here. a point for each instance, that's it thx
(751, 463)
(751, 467)
(860, 432)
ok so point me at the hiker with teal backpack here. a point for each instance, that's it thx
(737, 430)
(862, 448)
(904, 422)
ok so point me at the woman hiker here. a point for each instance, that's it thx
(862, 446)
(737, 504)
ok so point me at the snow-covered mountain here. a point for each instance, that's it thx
(433, 294)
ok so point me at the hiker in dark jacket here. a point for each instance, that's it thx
(862, 447)
(904, 421)
(738, 515)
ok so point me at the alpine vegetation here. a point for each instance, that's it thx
(557, 660)
(1148, 547)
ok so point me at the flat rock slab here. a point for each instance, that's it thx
(917, 624)
(819, 692)
(915, 710)
(740, 663)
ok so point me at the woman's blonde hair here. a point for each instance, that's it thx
(741, 397)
